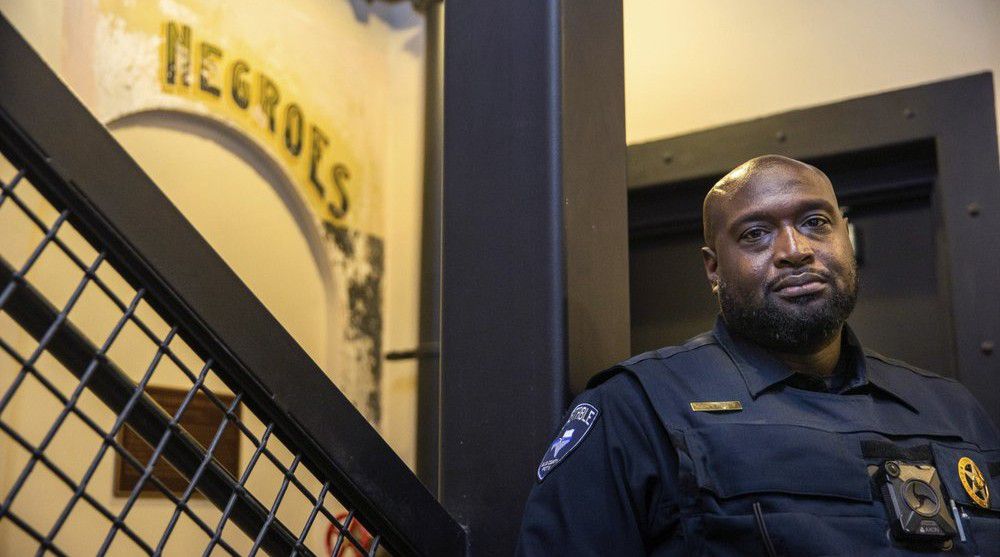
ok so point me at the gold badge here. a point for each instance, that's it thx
(717, 406)
(973, 482)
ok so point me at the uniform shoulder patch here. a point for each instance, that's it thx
(578, 425)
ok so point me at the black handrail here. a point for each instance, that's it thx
(79, 167)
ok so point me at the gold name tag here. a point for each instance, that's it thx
(717, 406)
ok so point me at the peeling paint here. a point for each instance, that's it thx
(360, 259)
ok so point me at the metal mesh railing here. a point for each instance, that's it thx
(81, 350)
(149, 402)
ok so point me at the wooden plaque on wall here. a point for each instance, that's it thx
(201, 420)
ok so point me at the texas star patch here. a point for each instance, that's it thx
(581, 419)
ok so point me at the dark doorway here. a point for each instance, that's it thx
(914, 182)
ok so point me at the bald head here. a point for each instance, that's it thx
(764, 167)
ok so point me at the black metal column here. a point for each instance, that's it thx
(534, 253)
(594, 182)
(429, 363)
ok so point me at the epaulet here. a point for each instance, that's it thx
(661, 354)
(899, 363)
(603, 376)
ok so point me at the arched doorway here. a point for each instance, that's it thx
(243, 203)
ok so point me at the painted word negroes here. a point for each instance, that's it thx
(244, 90)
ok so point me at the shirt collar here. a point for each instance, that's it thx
(761, 370)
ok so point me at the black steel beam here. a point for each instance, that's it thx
(534, 264)
(428, 352)
(77, 164)
(595, 202)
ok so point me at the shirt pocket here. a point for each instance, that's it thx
(732, 460)
(978, 500)
(800, 490)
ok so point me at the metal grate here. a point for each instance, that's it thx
(132, 356)
(80, 348)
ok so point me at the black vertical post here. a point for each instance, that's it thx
(594, 186)
(534, 253)
(428, 363)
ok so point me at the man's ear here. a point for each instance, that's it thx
(711, 262)
(850, 236)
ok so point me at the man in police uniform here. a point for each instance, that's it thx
(775, 433)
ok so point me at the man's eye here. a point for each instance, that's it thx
(815, 222)
(754, 234)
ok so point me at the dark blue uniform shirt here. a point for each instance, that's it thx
(637, 471)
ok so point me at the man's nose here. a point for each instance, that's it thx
(792, 249)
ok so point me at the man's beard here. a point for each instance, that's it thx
(800, 329)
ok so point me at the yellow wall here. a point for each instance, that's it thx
(386, 67)
(258, 234)
(696, 65)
